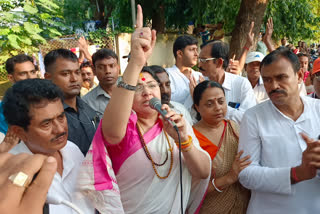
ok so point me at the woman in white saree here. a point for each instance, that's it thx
(141, 162)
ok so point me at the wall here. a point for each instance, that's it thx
(162, 53)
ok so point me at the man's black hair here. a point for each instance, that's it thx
(158, 69)
(52, 57)
(11, 62)
(279, 53)
(18, 99)
(302, 54)
(86, 65)
(182, 42)
(219, 50)
(103, 53)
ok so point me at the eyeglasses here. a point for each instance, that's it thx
(317, 76)
(150, 86)
(205, 60)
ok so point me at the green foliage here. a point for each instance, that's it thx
(214, 11)
(75, 12)
(294, 19)
(99, 37)
(26, 24)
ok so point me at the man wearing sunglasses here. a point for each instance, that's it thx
(315, 78)
(213, 62)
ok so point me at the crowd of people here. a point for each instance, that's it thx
(86, 139)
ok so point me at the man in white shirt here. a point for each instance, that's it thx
(213, 61)
(185, 51)
(283, 174)
(163, 79)
(252, 68)
(34, 110)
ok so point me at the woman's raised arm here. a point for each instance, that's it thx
(117, 113)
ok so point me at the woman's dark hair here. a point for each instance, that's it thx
(199, 90)
(149, 70)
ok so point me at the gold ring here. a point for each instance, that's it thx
(141, 34)
(20, 179)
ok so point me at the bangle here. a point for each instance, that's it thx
(124, 85)
(215, 186)
(294, 175)
(185, 142)
(188, 148)
(245, 47)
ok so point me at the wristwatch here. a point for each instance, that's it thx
(124, 85)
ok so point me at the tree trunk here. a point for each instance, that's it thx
(99, 12)
(250, 10)
(158, 19)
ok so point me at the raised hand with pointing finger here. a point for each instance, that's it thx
(142, 41)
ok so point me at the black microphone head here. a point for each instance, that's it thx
(154, 102)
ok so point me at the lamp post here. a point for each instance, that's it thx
(133, 12)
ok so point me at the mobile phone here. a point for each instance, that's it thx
(234, 105)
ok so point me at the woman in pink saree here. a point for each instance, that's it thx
(138, 172)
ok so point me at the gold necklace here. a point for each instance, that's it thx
(145, 148)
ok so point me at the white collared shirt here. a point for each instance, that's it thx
(260, 91)
(64, 186)
(238, 90)
(272, 140)
(179, 108)
(180, 90)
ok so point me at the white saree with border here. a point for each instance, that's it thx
(121, 179)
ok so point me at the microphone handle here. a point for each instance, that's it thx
(163, 113)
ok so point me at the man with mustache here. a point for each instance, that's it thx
(182, 77)
(281, 137)
(106, 68)
(213, 62)
(34, 110)
(165, 89)
(88, 78)
(62, 68)
(252, 67)
(19, 67)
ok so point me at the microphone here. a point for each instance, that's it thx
(155, 103)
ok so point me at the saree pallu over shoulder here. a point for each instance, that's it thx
(99, 184)
(97, 180)
(235, 198)
(129, 184)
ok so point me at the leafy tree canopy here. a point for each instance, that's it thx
(26, 24)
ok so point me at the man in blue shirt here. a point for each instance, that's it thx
(19, 67)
